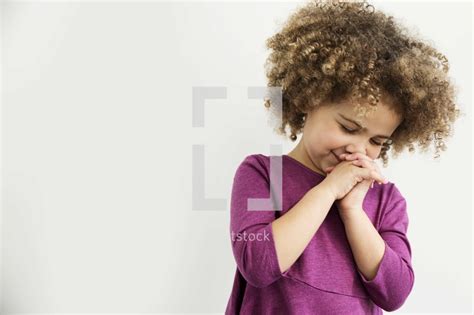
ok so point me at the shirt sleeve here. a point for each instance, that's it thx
(395, 277)
(251, 230)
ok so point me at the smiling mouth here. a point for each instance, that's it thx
(337, 158)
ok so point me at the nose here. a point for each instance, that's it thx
(356, 148)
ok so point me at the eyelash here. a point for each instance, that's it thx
(354, 131)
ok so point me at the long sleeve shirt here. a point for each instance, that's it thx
(325, 278)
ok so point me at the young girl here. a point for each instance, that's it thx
(355, 84)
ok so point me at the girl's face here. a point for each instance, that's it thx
(335, 129)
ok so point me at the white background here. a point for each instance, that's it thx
(97, 154)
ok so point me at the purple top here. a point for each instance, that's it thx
(325, 278)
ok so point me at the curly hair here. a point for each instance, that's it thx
(338, 50)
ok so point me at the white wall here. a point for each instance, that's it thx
(97, 142)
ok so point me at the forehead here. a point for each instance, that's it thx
(383, 112)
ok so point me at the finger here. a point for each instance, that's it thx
(372, 174)
(373, 164)
(354, 156)
(364, 163)
(369, 166)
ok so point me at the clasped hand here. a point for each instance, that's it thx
(350, 201)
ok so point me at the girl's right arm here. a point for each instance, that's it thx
(294, 230)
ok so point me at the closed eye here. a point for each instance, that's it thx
(347, 129)
(352, 131)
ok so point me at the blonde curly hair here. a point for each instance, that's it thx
(338, 50)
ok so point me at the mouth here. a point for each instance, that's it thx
(337, 158)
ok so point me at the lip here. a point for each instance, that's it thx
(337, 158)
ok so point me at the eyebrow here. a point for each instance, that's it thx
(355, 122)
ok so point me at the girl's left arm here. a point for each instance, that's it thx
(383, 260)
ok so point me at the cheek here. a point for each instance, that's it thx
(374, 154)
(327, 139)
(334, 138)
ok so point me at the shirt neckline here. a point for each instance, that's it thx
(302, 165)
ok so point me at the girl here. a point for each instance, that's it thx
(355, 84)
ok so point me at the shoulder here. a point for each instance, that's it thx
(254, 165)
(386, 198)
(251, 177)
(257, 158)
(394, 205)
(387, 193)
(393, 193)
(257, 161)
